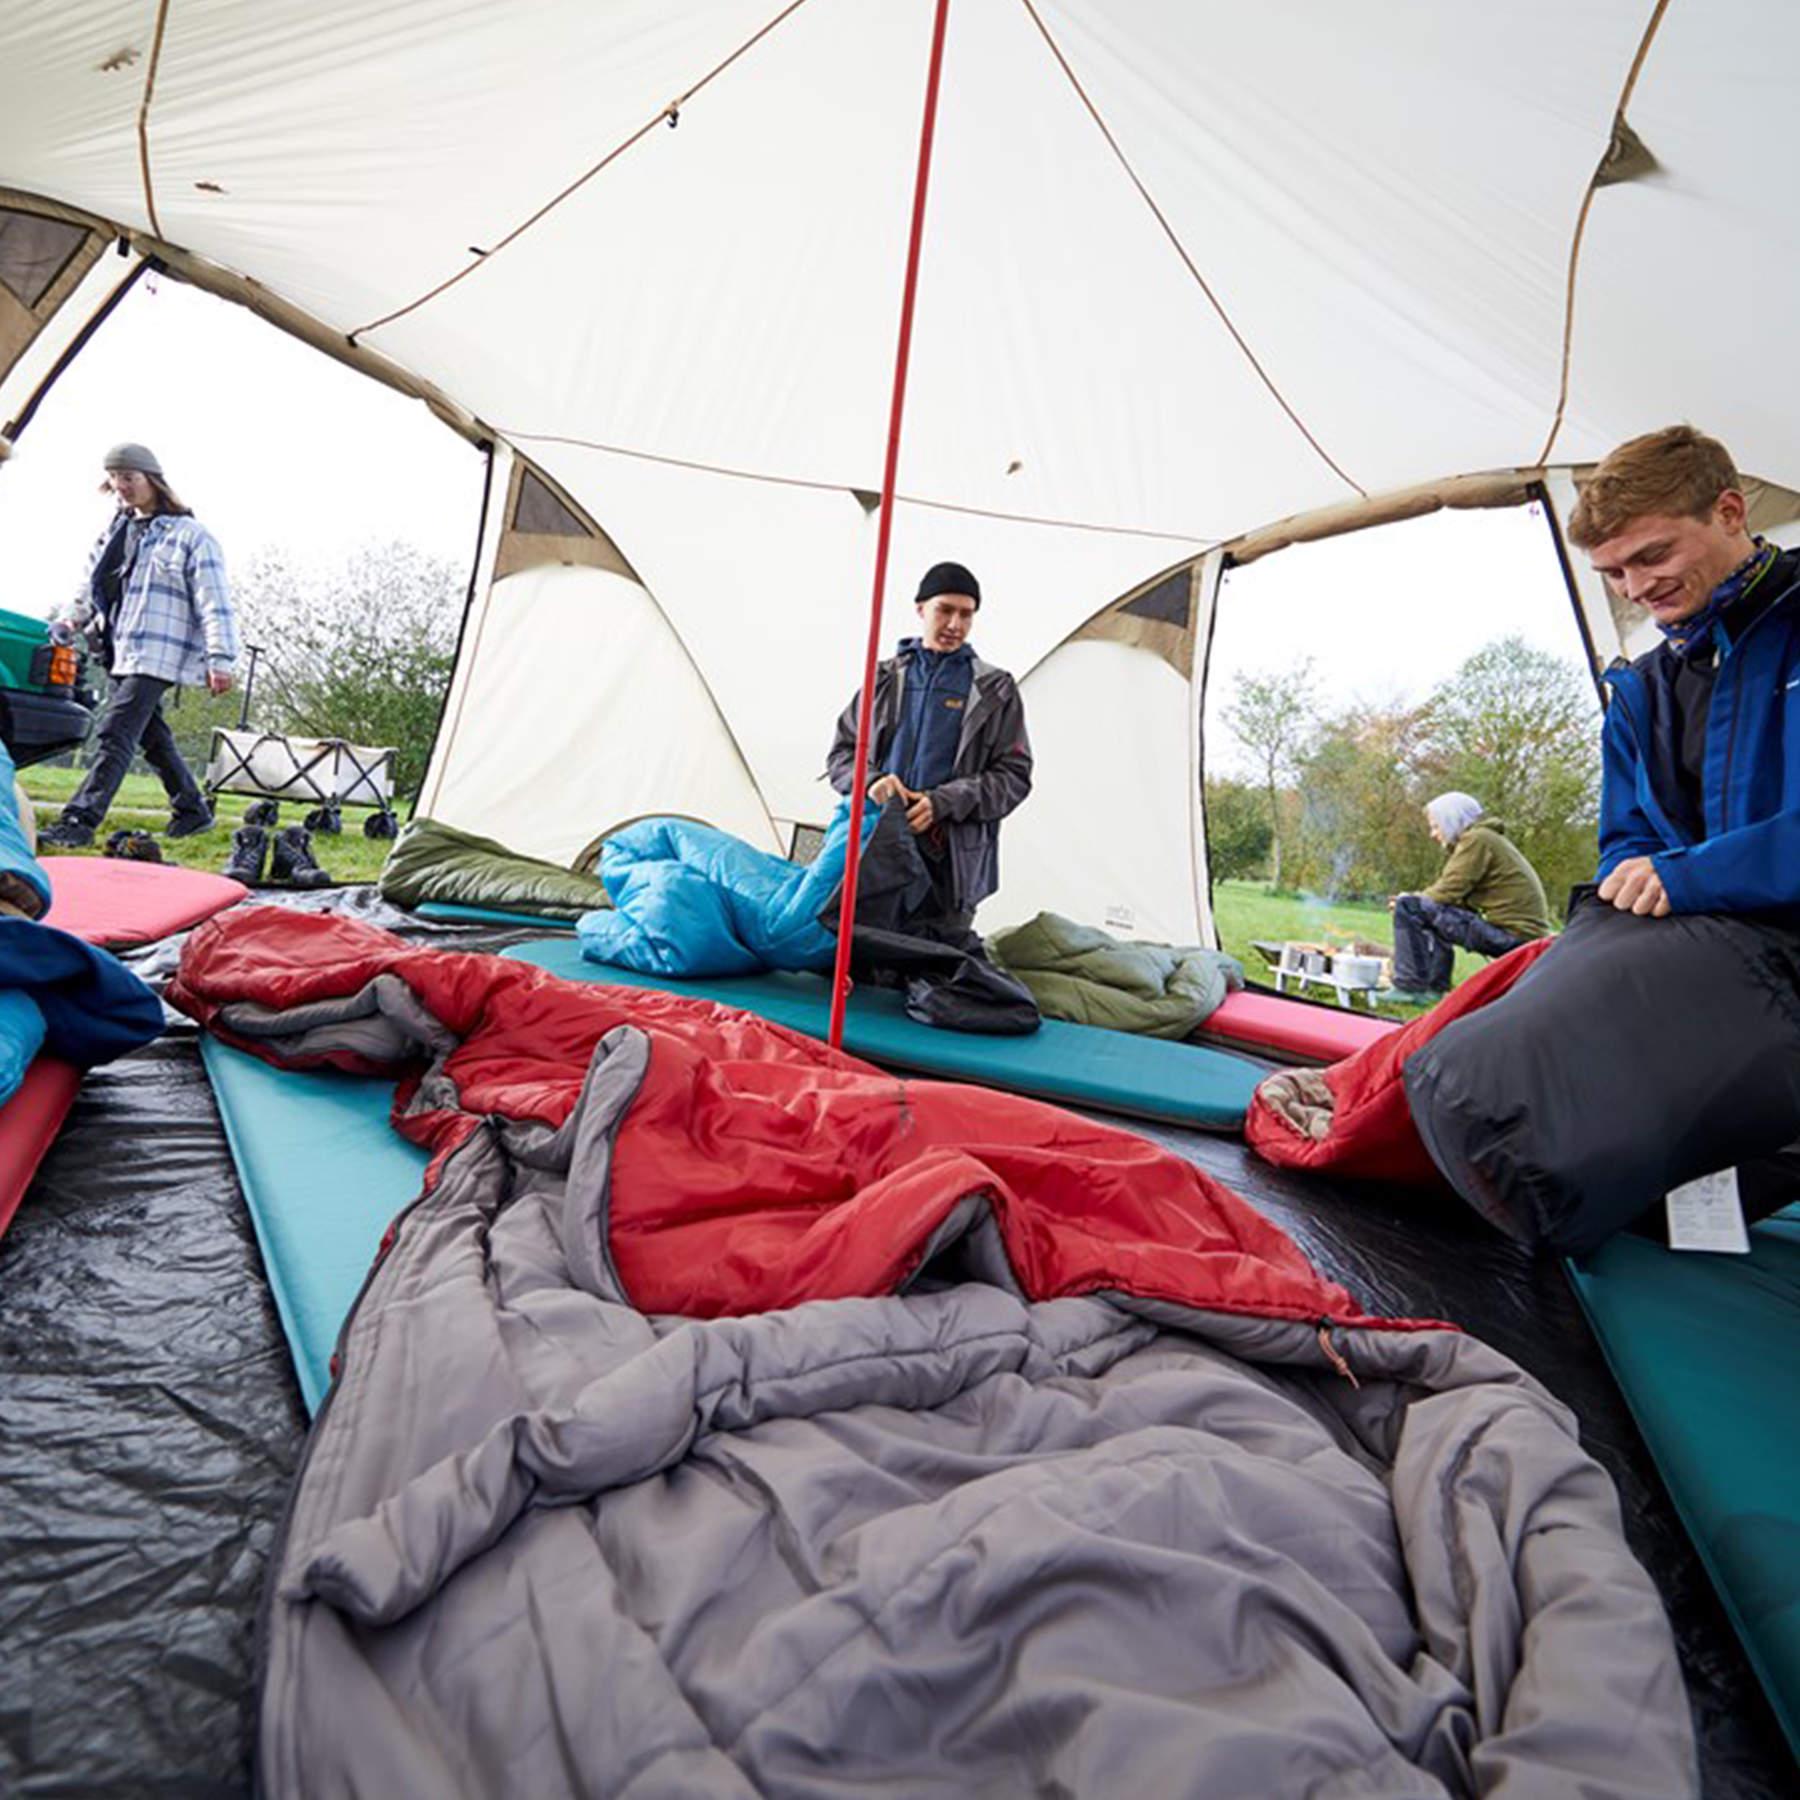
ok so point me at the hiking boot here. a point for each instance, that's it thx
(249, 852)
(325, 818)
(66, 834)
(133, 846)
(381, 824)
(291, 860)
(264, 812)
(182, 825)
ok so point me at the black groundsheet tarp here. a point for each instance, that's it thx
(150, 1421)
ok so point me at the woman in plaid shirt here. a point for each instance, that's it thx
(157, 603)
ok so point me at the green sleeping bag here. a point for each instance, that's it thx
(1089, 977)
(437, 863)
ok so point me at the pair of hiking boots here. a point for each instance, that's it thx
(71, 834)
(286, 855)
(133, 846)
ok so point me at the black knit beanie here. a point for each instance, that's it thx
(947, 578)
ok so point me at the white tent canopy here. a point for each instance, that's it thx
(1190, 267)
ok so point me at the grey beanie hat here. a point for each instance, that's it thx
(133, 456)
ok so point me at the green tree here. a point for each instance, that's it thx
(1237, 830)
(361, 651)
(1272, 716)
(1361, 835)
(1519, 729)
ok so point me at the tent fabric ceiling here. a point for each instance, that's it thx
(1382, 199)
(1191, 268)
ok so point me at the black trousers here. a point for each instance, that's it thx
(1634, 1055)
(133, 717)
(1426, 934)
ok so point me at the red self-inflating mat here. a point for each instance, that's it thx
(116, 903)
(1295, 1029)
(28, 1125)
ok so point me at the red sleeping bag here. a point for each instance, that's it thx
(1352, 1118)
(753, 1168)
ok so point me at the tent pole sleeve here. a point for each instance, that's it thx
(859, 780)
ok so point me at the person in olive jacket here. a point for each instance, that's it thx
(1487, 898)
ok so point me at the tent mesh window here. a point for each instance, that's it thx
(1170, 602)
(539, 512)
(33, 252)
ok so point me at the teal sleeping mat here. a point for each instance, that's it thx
(1075, 1065)
(324, 1173)
(449, 912)
(1704, 1348)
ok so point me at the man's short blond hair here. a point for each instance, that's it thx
(1677, 471)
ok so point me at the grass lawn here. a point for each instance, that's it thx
(1245, 911)
(141, 803)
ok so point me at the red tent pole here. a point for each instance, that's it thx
(859, 787)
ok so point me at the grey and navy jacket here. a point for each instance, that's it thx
(991, 775)
(1742, 852)
(169, 613)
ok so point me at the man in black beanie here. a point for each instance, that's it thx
(948, 740)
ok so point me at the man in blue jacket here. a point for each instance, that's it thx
(1701, 794)
(949, 744)
(1658, 1040)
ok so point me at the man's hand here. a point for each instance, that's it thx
(218, 681)
(1635, 887)
(920, 814)
(888, 787)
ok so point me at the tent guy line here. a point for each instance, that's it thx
(1587, 200)
(1225, 319)
(1199, 541)
(143, 116)
(671, 114)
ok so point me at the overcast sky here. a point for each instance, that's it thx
(1386, 614)
(269, 441)
(275, 445)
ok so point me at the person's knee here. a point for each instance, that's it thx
(1411, 906)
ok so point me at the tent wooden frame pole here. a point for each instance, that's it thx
(859, 781)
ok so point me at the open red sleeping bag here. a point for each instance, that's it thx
(1352, 1117)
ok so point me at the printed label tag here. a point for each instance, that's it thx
(1707, 1214)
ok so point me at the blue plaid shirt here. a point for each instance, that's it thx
(174, 620)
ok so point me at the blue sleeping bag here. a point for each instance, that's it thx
(691, 900)
(57, 993)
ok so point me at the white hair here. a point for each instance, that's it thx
(1453, 814)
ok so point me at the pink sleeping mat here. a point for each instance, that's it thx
(28, 1125)
(1292, 1030)
(118, 904)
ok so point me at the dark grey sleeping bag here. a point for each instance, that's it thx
(1635, 1055)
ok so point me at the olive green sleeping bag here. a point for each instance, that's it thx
(435, 862)
(1086, 975)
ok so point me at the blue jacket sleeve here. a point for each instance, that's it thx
(1625, 829)
(1745, 870)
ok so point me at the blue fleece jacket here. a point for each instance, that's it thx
(1745, 856)
(933, 698)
